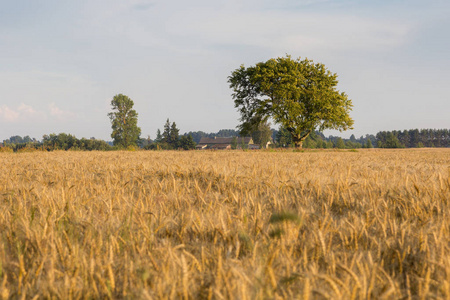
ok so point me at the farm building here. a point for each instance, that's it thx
(225, 143)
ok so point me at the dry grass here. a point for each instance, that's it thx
(225, 225)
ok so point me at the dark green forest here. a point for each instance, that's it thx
(413, 138)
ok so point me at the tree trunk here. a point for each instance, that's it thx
(298, 144)
(298, 139)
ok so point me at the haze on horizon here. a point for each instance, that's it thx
(62, 62)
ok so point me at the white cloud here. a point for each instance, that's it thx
(59, 114)
(8, 115)
(22, 113)
(29, 112)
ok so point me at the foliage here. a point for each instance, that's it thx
(170, 139)
(316, 140)
(297, 94)
(4, 149)
(63, 141)
(124, 122)
(20, 144)
(145, 142)
(19, 140)
(340, 144)
(186, 142)
(227, 133)
(262, 135)
(197, 135)
(174, 136)
(166, 136)
(393, 142)
(158, 136)
(414, 138)
(234, 143)
(284, 138)
(352, 145)
(242, 144)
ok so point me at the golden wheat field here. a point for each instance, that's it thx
(371, 224)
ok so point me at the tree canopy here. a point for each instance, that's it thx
(298, 94)
(124, 122)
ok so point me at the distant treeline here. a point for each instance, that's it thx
(53, 141)
(413, 138)
(169, 139)
(197, 135)
(65, 141)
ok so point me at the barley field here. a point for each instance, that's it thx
(372, 224)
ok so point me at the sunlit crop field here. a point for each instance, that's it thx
(370, 224)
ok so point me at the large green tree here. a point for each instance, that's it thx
(299, 95)
(124, 121)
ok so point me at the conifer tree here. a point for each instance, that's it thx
(166, 133)
(174, 136)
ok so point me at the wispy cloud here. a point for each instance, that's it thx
(59, 114)
(22, 113)
(291, 30)
(26, 114)
(8, 115)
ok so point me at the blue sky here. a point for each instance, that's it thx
(61, 62)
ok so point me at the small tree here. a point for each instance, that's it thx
(261, 136)
(187, 142)
(340, 144)
(124, 122)
(284, 138)
(144, 143)
(392, 141)
(174, 136)
(310, 143)
(243, 145)
(166, 133)
(234, 142)
(170, 138)
(158, 136)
